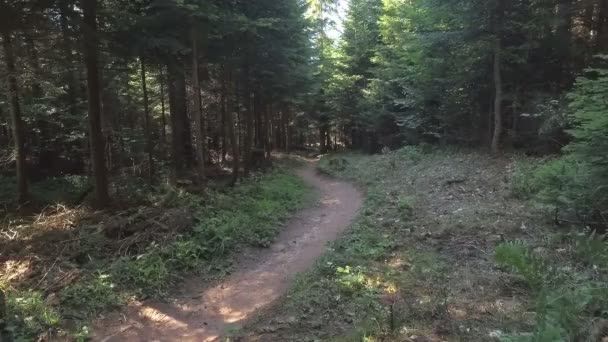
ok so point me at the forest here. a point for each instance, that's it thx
(377, 170)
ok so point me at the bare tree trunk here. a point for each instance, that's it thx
(197, 120)
(163, 114)
(497, 99)
(223, 121)
(144, 89)
(248, 122)
(18, 133)
(230, 125)
(89, 32)
(602, 27)
(322, 139)
(180, 130)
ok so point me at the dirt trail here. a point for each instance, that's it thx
(259, 279)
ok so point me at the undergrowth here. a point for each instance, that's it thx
(224, 220)
(450, 245)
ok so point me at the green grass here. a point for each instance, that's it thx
(225, 220)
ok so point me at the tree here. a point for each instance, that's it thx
(96, 139)
(197, 114)
(8, 17)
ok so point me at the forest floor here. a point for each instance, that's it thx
(419, 263)
(62, 265)
(259, 278)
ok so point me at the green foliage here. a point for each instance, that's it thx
(591, 249)
(566, 304)
(29, 314)
(577, 181)
(89, 297)
(523, 261)
(147, 273)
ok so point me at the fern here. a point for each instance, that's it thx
(523, 261)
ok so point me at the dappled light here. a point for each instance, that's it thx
(303, 170)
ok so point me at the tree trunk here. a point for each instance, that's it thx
(147, 135)
(89, 32)
(247, 146)
(180, 130)
(227, 84)
(17, 122)
(322, 139)
(497, 98)
(602, 27)
(197, 115)
(223, 121)
(163, 114)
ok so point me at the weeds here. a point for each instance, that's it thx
(29, 315)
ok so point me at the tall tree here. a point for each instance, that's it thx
(17, 121)
(96, 138)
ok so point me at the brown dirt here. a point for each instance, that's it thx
(260, 278)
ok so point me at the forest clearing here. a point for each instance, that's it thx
(304, 170)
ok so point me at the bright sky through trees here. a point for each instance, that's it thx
(338, 18)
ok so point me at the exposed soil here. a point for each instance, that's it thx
(259, 279)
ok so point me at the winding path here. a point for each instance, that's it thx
(259, 279)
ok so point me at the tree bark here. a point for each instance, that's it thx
(147, 135)
(180, 130)
(197, 115)
(96, 139)
(602, 27)
(495, 147)
(17, 121)
(230, 124)
(322, 139)
(163, 114)
(248, 144)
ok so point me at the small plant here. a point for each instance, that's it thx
(146, 273)
(188, 254)
(413, 153)
(90, 296)
(523, 261)
(406, 206)
(592, 249)
(29, 314)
